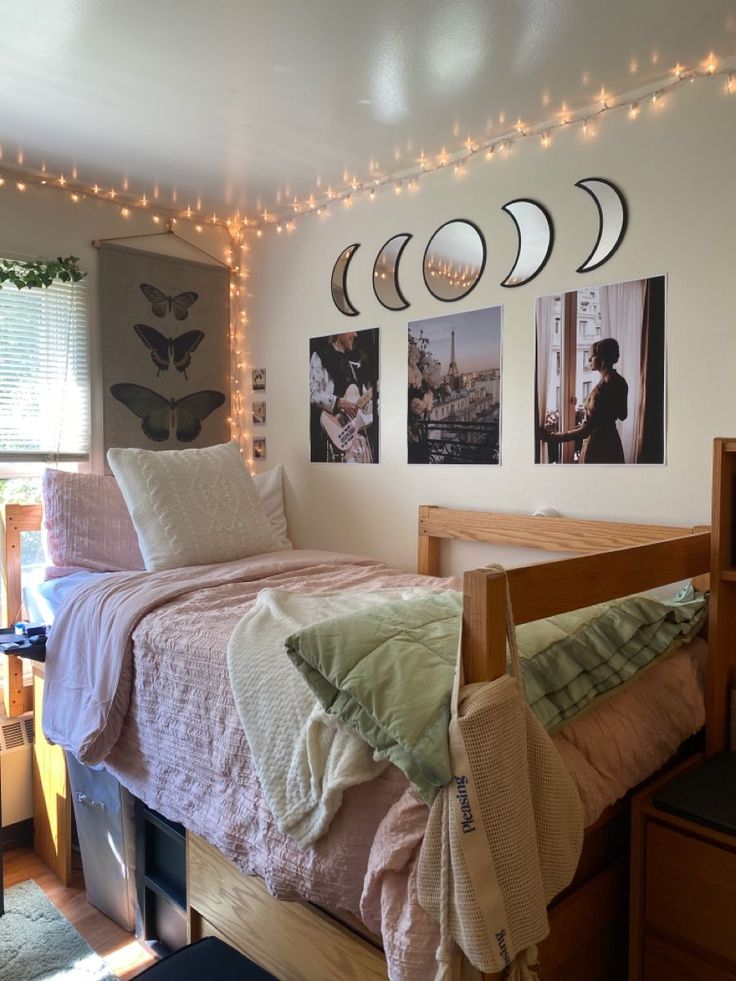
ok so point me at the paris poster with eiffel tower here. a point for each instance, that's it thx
(454, 395)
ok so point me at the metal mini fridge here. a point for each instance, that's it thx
(104, 814)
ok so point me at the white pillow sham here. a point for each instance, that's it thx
(270, 487)
(192, 507)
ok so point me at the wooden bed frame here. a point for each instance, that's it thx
(299, 942)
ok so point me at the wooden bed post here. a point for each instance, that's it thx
(484, 625)
(428, 552)
(722, 619)
(17, 518)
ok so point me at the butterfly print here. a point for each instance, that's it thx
(160, 415)
(164, 350)
(161, 304)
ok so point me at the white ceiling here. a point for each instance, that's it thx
(246, 103)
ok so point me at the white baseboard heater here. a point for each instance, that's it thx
(16, 745)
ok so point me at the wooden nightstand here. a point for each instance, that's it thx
(683, 875)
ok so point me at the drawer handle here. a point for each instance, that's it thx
(90, 802)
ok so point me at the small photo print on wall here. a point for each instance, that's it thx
(454, 395)
(259, 413)
(600, 374)
(259, 379)
(259, 448)
(343, 397)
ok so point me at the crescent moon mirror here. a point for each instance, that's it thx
(613, 216)
(454, 260)
(536, 237)
(339, 281)
(386, 273)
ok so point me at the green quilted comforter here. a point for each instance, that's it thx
(387, 673)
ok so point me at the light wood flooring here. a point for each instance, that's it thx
(121, 951)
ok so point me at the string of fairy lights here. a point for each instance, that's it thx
(235, 255)
(318, 203)
(586, 119)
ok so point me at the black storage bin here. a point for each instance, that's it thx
(160, 880)
(206, 960)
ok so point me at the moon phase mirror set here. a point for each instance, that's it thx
(600, 380)
(455, 256)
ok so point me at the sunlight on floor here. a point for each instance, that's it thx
(129, 957)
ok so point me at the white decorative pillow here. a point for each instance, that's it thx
(192, 507)
(270, 487)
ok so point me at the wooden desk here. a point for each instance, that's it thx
(52, 802)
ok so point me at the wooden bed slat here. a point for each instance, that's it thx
(540, 591)
(290, 939)
(549, 534)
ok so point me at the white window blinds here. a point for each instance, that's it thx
(44, 374)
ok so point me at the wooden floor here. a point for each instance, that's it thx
(123, 954)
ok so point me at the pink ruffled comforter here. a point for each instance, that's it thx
(173, 738)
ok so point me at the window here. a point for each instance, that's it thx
(44, 375)
(586, 390)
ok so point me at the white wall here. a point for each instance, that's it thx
(675, 165)
(42, 223)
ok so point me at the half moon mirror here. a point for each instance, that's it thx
(534, 227)
(339, 281)
(454, 260)
(386, 274)
(613, 216)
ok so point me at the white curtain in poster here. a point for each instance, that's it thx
(622, 316)
(545, 320)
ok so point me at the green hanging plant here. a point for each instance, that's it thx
(40, 272)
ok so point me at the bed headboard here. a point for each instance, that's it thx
(17, 518)
(549, 534)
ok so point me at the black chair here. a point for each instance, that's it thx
(206, 960)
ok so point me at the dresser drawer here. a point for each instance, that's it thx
(691, 891)
(665, 963)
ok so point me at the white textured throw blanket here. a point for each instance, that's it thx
(304, 757)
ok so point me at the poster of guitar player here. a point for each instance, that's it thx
(343, 397)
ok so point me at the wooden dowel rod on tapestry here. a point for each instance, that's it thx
(484, 625)
(168, 233)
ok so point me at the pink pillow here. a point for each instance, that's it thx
(86, 525)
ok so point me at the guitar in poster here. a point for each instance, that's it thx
(343, 393)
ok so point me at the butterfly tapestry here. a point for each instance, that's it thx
(160, 415)
(161, 304)
(165, 350)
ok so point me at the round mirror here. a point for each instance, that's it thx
(386, 273)
(454, 260)
(339, 281)
(534, 227)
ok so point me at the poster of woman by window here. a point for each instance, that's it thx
(343, 397)
(600, 374)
